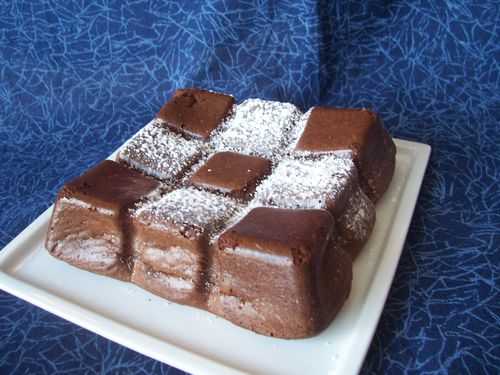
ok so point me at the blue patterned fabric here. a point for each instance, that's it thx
(78, 78)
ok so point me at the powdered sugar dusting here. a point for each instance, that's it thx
(189, 207)
(307, 184)
(359, 216)
(158, 152)
(258, 127)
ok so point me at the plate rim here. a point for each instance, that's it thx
(377, 297)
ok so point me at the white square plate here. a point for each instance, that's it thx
(200, 343)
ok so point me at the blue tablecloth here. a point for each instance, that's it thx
(78, 78)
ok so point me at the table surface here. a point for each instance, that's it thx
(78, 78)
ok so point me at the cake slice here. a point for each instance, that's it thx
(89, 227)
(172, 243)
(280, 273)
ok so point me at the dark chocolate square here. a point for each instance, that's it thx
(196, 112)
(232, 173)
(278, 272)
(89, 226)
(296, 234)
(109, 185)
(331, 129)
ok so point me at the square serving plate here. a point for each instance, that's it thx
(201, 343)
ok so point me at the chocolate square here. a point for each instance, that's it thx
(279, 272)
(231, 173)
(172, 242)
(158, 152)
(330, 129)
(89, 226)
(358, 130)
(196, 112)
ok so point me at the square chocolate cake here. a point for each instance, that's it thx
(259, 128)
(252, 211)
(325, 182)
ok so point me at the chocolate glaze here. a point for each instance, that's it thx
(359, 130)
(90, 226)
(196, 112)
(231, 173)
(109, 185)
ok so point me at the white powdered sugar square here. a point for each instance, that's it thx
(158, 152)
(306, 184)
(258, 127)
(189, 207)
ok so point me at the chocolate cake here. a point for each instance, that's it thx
(257, 127)
(252, 211)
